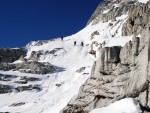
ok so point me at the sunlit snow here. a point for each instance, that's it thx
(69, 58)
(127, 105)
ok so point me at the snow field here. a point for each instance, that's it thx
(54, 98)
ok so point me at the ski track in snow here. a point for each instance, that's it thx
(71, 58)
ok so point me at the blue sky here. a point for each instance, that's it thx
(22, 21)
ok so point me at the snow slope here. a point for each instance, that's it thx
(127, 105)
(143, 1)
(69, 58)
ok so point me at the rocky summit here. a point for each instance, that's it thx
(104, 68)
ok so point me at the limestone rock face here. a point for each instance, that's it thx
(34, 56)
(107, 10)
(118, 73)
(138, 18)
(138, 15)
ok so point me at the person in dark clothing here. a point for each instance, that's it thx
(100, 46)
(62, 38)
(82, 44)
(104, 43)
(75, 43)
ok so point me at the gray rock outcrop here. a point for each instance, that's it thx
(5, 89)
(28, 88)
(81, 70)
(35, 67)
(19, 83)
(34, 56)
(94, 34)
(138, 15)
(22, 59)
(17, 104)
(6, 77)
(10, 55)
(29, 67)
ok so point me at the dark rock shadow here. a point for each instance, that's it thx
(59, 69)
(32, 67)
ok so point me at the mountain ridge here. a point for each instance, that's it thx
(115, 74)
(102, 67)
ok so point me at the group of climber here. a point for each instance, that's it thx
(103, 44)
(82, 44)
(92, 51)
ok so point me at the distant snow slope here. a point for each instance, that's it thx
(143, 1)
(127, 105)
(59, 88)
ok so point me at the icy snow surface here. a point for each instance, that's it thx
(143, 1)
(69, 58)
(127, 105)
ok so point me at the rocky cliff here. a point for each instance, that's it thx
(119, 72)
(10, 55)
(138, 15)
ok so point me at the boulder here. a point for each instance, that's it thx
(17, 104)
(28, 88)
(5, 89)
(21, 82)
(94, 34)
(4, 77)
(81, 70)
(26, 78)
